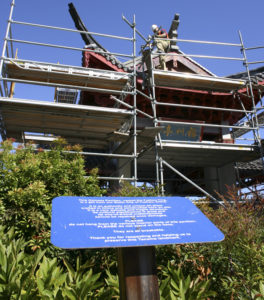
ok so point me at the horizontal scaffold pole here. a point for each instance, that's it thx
(77, 87)
(254, 48)
(199, 42)
(66, 47)
(71, 30)
(198, 56)
(206, 124)
(204, 107)
(116, 178)
(255, 62)
(97, 154)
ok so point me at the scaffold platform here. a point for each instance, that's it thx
(204, 154)
(63, 74)
(195, 81)
(81, 124)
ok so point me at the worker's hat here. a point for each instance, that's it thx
(154, 27)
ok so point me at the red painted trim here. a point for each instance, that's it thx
(195, 91)
(103, 60)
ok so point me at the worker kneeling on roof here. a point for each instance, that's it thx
(163, 46)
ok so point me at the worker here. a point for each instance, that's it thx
(163, 46)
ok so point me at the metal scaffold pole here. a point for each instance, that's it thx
(133, 26)
(5, 49)
(135, 100)
(5, 41)
(154, 108)
(136, 265)
(162, 177)
(254, 117)
(190, 181)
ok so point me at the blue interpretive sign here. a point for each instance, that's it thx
(99, 222)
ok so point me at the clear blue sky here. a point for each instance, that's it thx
(199, 20)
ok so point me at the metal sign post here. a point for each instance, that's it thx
(137, 273)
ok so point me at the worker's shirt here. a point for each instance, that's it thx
(162, 31)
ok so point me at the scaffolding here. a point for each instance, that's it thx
(190, 81)
(114, 132)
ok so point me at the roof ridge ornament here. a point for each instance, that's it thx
(173, 33)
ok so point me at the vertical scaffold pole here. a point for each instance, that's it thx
(133, 26)
(5, 41)
(254, 118)
(161, 177)
(135, 100)
(154, 108)
(136, 265)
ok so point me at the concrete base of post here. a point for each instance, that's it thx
(137, 273)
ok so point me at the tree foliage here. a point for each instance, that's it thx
(30, 178)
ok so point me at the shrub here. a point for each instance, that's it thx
(234, 266)
(34, 276)
(30, 178)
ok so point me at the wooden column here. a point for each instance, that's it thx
(137, 273)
